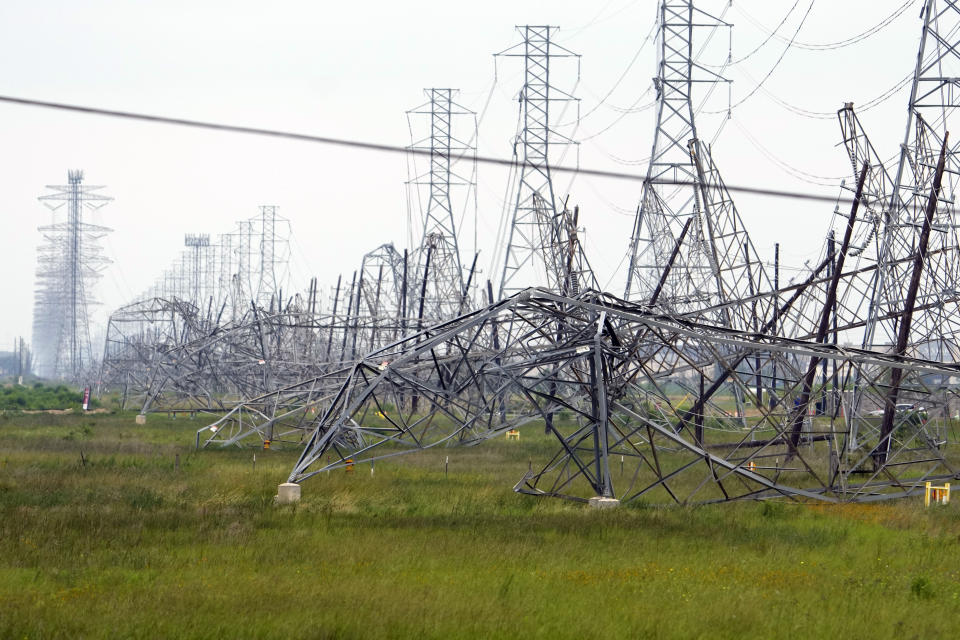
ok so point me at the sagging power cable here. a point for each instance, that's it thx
(386, 148)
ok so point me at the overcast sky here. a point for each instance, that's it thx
(352, 70)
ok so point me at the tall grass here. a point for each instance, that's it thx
(120, 543)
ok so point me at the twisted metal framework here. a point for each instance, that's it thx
(70, 262)
(286, 416)
(654, 380)
(707, 383)
(215, 327)
(603, 375)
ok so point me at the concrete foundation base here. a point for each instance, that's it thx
(141, 418)
(287, 493)
(599, 502)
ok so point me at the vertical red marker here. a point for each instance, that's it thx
(86, 398)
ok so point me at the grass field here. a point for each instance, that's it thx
(119, 543)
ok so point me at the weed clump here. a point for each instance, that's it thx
(921, 588)
(772, 510)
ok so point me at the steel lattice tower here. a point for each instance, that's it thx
(664, 210)
(933, 99)
(268, 245)
(197, 253)
(439, 270)
(535, 194)
(69, 264)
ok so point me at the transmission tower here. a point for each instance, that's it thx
(439, 270)
(933, 99)
(197, 249)
(664, 210)
(69, 264)
(268, 244)
(531, 153)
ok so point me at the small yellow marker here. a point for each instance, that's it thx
(513, 434)
(937, 495)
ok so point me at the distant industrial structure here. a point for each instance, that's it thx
(69, 263)
(16, 363)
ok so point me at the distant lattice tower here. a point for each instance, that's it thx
(69, 264)
(197, 265)
(274, 253)
(268, 245)
(532, 154)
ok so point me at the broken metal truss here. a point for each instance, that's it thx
(709, 382)
(607, 378)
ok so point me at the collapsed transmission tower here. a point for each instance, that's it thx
(932, 101)
(535, 197)
(69, 263)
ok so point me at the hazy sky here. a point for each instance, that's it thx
(352, 70)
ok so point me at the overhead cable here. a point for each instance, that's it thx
(382, 147)
(775, 65)
(769, 37)
(839, 44)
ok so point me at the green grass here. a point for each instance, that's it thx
(122, 545)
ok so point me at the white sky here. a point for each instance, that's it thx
(351, 70)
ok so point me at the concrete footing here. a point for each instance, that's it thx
(599, 502)
(287, 493)
(141, 418)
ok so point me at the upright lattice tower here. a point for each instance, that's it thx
(535, 197)
(69, 263)
(439, 277)
(665, 209)
(197, 263)
(690, 250)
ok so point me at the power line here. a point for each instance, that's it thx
(769, 37)
(799, 174)
(827, 46)
(386, 148)
(775, 65)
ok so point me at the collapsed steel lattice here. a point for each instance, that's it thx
(605, 378)
(709, 382)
